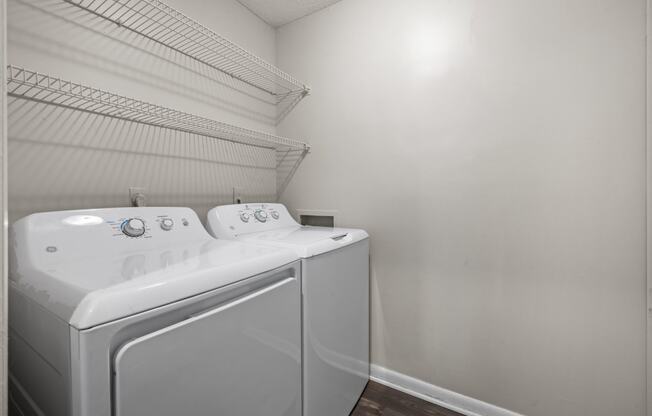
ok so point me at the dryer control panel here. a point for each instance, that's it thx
(234, 220)
(63, 235)
(154, 223)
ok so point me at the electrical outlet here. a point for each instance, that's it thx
(137, 196)
(237, 195)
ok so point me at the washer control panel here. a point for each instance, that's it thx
(249, 218)
(260, 213)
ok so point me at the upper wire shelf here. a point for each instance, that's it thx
(161, 23)
(46, 89)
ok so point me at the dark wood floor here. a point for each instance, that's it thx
(379, 400)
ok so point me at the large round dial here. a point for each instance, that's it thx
(260, 215)
(133, 227)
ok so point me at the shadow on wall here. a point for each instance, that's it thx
(65, 159)
(57, 31)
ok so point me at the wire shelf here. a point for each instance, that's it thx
(161, 23)
(34, 86)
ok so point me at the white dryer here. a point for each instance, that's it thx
(139, 312)
(335, 287)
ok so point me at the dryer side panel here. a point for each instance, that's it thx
(39, 358)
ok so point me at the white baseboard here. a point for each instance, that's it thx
(445, 398)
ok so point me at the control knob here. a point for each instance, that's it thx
(167, 224)
(275, 215)
(133, 227)
(260, 215)
(244, 217)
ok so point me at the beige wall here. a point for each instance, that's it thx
(495, 151)
(3, 206)
(60, 159)
(649, 208)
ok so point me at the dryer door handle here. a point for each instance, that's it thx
(238, 301)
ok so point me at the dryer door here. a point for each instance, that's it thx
(242, 358)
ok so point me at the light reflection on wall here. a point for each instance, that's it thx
(437, 41)
(69, 160)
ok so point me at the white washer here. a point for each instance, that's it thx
(335, 287)
(139, 312)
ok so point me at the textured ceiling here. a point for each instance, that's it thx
(279, 12)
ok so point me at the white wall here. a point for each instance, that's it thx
(495, 151)
(61, 159)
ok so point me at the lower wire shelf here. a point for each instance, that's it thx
(34, 86)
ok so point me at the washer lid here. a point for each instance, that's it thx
(307, 241)
(80, 265)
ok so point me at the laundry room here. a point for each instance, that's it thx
(325, 208)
